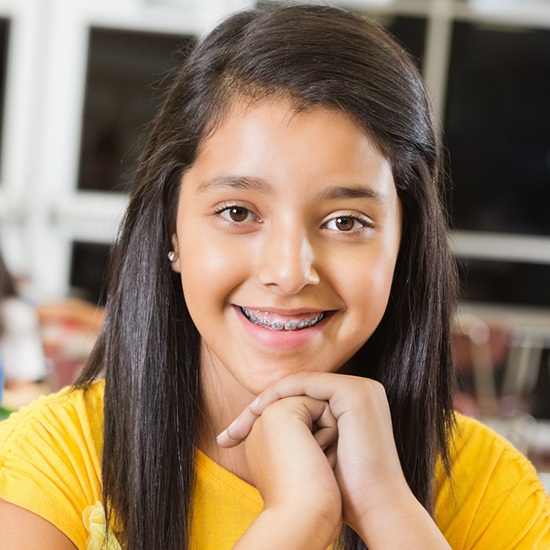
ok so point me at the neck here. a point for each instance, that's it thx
(223, 400)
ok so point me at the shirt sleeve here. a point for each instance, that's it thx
(494, 498)
(49, 460)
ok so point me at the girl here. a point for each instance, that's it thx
(283, 261)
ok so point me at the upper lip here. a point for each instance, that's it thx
(285, 312)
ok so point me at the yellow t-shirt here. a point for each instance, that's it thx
(50, 464)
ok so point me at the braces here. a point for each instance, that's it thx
(279, 325)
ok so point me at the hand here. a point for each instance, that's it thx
(377, 502)
(285, 451)
(367, 468)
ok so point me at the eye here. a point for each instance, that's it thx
(236, 214)
(347, 224)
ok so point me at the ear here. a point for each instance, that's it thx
(175, 261)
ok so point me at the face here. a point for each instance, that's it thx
(288, 229)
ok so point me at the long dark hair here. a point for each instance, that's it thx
(149, 347)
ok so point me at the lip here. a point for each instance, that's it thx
(286, 313)
(272, 321)
(288, 339)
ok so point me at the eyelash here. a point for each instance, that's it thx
(228, 207)
(362, 220)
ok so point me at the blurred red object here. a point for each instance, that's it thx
(69, 331)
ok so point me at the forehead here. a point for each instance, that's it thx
(240, 103)
(278, 121)
(272, 148)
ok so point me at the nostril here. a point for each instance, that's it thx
(287, 260)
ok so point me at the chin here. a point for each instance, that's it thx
(256, 384)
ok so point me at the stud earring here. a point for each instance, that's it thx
(171, 255)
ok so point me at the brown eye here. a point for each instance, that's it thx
(352, 224)
(344, 224)
(238, 214)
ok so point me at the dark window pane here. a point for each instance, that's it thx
(88, 270)
(498, 129)
(505, 282)
(123, 93)
(409, 31)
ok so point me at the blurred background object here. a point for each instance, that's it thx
(21, 352)
(22, 359)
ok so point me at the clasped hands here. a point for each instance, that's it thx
(321, 446)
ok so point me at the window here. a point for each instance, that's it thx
(409, 31)
(126, 77)
(498, 281)
(498, 128)
(88, 270)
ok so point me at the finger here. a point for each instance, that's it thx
(325, 430)
(331, 454)
(334, 388)
(330, 387)
(314, 411)
(238, 430)
(293, 385)
(326, 437)
(318, 386)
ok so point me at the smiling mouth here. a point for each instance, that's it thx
(271, 321)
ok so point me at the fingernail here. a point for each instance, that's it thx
(224, 433)
(225, 440)
(254, 403)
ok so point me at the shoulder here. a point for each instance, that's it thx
(69, 408)
(493, 493)
(471, 436)
(50, 457)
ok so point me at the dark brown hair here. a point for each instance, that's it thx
(149, 347)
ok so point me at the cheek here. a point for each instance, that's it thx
(369, 290)
(209, 270)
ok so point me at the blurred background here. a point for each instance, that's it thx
(80, 79)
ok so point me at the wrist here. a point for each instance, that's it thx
(292, 529)
(401, 521)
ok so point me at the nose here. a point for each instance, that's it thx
(287, 260)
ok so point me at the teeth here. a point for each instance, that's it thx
(278, 324)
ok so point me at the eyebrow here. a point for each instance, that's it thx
(334, 192)
(353, 192)
(236, 182)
